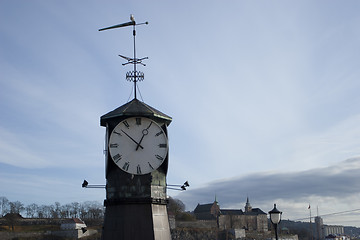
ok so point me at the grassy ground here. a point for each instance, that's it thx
(41, 232)
(30, 228)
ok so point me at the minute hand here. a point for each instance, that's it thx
(138, 144)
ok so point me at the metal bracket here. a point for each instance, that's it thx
(182, 187)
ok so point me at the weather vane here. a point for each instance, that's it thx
(132, 76)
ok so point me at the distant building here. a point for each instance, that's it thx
(327, 231)
(208, 211)
(319, 228)
(333, 230)
(73, 228)
(253, 219)
(72, 224)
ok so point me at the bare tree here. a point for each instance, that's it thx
(40, 212)
(95, 210)
(44, 211)
(65, 211)
(175, 206)
(47, 210)
(16, 207)
(85, 210)
(75, 207)
(31, 210)
(56, 210)
(4, 206)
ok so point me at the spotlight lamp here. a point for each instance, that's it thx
(85, 184)
(182, 187)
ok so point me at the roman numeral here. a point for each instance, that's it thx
(151, 166)
(159, 157)
(126, 124)
(117, 158)
(159, 133)
(138, 121)
(117, 133)
(138, 169)
(162, 145)
(114, 145)
(126, 166)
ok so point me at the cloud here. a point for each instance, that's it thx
(15, 152)
(339, 141)
(327, 186)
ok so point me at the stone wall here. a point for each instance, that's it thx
(250, 223)
(262, 223)
(193, 234)
(207, 229)
(208, 224)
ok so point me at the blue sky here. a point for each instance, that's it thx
(259, 91)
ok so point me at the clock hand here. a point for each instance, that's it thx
(144, 132)
(138, 144)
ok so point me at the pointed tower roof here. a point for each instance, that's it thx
(135, 108)
(248, 207)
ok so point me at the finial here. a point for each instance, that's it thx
(132, 76)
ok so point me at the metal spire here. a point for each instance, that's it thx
(132, 76)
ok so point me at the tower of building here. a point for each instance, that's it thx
(248, 207)
(319, 228)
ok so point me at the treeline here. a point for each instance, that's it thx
(84, 210)
(177, 208)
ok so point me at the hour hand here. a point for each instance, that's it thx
(138, 144)
(144, 132)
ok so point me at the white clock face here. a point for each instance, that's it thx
(138, 145)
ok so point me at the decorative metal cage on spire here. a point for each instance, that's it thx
(132, 76)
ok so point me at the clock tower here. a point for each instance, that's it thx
(136, 164)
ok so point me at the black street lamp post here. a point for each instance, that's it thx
(275, 218)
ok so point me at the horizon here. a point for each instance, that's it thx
(22, 214)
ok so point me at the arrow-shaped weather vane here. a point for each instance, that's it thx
(133, 76)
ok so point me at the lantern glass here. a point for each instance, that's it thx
(275, 218)
(275, 215)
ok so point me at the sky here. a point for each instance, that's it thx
(264, 97)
